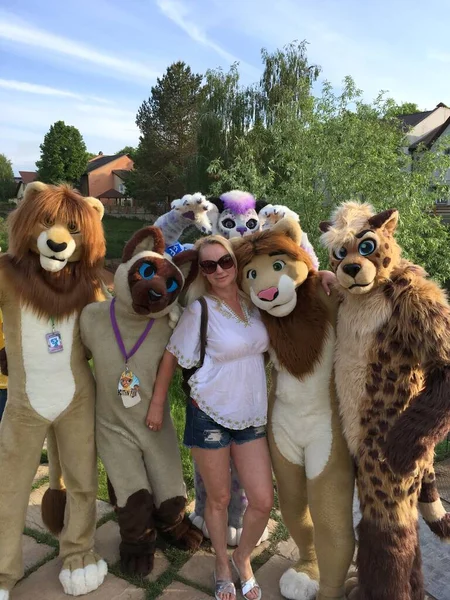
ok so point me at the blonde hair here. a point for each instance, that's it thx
(200, 286)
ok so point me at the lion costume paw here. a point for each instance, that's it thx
(298, 586)
(82, 574)
(4, 595)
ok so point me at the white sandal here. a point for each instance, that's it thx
(223, 586)
(249, 585)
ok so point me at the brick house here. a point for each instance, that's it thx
(105, 179)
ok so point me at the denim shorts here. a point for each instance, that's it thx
(203, 432)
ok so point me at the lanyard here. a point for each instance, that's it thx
(119, 337)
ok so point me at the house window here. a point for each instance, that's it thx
(122, 188)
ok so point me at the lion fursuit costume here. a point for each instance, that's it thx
(393, 382)
(51, 271)
(312, 465)
(143, 466)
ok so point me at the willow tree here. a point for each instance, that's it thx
(244, 157)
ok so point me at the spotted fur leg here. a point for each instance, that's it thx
(389, 563)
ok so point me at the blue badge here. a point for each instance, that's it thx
(174, 249)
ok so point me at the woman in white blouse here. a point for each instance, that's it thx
(227, 412)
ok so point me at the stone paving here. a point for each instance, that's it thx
(178, 575)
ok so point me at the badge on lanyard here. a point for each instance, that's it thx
(128, 388)
(54, 341)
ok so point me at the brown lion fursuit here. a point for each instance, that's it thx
(312, 465)
(52, 270)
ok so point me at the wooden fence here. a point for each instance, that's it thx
(131, 212)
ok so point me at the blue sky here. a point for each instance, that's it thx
(91, 63)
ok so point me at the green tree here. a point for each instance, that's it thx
(225, 116)
(165, 160)
(284, 91)
(63, 155)
(130, 150)
(7, 183)
(405, 108)
(312, 153)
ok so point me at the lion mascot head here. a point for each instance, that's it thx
(56, 249)
(272, 266)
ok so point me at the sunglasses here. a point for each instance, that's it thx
(210, 266)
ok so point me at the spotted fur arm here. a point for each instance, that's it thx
(423, 330)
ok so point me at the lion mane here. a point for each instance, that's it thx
(265, 242)
(78, 282)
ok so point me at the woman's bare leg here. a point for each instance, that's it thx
(214, 467)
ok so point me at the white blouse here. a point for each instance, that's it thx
(230, 387)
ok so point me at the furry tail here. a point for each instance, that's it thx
(54, 501)
(432, 509)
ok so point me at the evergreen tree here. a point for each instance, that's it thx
(165, 160)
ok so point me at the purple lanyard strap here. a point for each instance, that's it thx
(119, 339)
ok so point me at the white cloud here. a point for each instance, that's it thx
(343, 45)
(43, 90)
(180, 14)
(25, 34)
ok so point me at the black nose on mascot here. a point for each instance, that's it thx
(352, 270)
(56, 247)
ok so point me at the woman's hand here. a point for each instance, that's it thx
(328, 279)
(155, 414)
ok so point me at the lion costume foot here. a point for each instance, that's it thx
(297, 585)
(4, 595)
(81, 574)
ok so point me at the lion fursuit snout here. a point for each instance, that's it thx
(55, 247)
(269, 294)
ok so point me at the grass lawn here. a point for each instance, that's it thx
(118, 232)
(442, 451)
